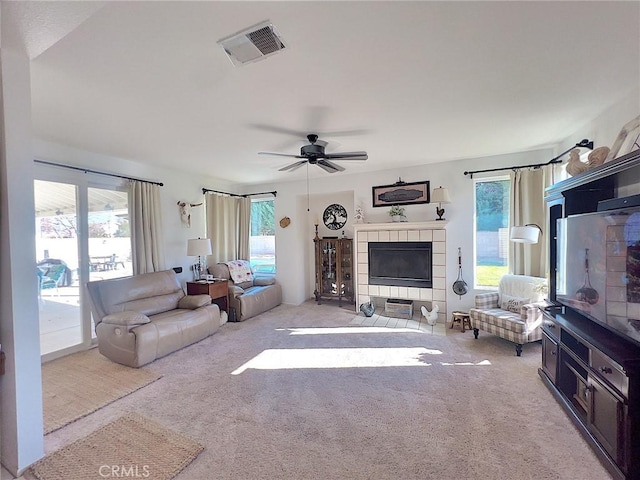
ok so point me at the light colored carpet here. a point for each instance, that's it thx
(299, 393)
(132, 446)
(79, 384)
(417, 322)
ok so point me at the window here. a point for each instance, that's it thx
(263, 236)
(491, 230)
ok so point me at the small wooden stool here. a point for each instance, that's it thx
(462, 318)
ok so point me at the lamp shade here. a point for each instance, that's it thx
(525, 234)
(199, 247)
(440, 195)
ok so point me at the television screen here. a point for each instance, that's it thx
(598, 268)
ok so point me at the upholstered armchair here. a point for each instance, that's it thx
(513, 312)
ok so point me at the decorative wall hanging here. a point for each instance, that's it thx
(285, 222)
(334, 217)
(185, 211)
(400, 193)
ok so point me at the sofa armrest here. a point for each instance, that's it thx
(127, 318)
(487, 300)
(235, 291)
(191, 302)
(264, 280)
(531, 312)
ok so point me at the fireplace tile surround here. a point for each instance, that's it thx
(433, 232)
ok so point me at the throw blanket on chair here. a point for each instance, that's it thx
(240, 271)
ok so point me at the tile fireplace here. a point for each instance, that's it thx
(422, 242)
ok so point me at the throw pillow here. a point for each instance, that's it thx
(512, 304)
(240, 271)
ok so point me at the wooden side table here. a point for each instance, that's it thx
(461, 318)
(218, 291)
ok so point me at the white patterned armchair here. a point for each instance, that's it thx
(513, 312)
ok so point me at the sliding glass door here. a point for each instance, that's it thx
(82, 234)
(57, 265)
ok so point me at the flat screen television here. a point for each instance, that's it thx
(598, 268)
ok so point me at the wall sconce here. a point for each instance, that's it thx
(440, 195)
(199, 247)
(528, 233)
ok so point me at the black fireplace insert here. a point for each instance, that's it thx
(403, 264)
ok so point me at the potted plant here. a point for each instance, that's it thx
(397, 214)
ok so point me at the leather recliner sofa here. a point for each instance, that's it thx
(144, 317)
(249, 298)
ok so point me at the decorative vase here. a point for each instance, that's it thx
(398, 218)
(368, 309)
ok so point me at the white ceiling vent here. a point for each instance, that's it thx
(253, 44)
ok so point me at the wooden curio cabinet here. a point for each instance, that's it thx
(334, 269)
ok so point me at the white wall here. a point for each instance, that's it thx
(21, 386)
(604, 129)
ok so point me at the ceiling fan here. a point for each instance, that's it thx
(314, 154)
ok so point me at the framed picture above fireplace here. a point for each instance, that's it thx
(401, 193)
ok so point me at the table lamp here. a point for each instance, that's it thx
(199, 247)
(440, 195)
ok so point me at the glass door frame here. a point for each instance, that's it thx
(82, 181)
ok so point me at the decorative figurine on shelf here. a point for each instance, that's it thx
(575, 165)
(397, 214)
(597, 157)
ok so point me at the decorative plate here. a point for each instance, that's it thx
(334, 216)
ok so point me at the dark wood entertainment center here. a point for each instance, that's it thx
(594, 372)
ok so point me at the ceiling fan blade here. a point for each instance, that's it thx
(293, 166)
(280, 154)
(275, 129)
(329, 166)
(347, 156)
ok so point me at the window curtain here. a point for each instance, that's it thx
(228, 226)
(146, 227)
(528, 206)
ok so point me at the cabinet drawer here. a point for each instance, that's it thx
(609, 371)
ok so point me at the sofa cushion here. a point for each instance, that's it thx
(240, 271)
(148, 293)
(512, 304)
(126, 318)
(153, 305)
(500, 318)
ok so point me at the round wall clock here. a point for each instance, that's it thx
(334, 216)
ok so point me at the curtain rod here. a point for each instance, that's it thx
(584, 143)
(88, 170)
(206, 190)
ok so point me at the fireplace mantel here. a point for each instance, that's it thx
(432, 225)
